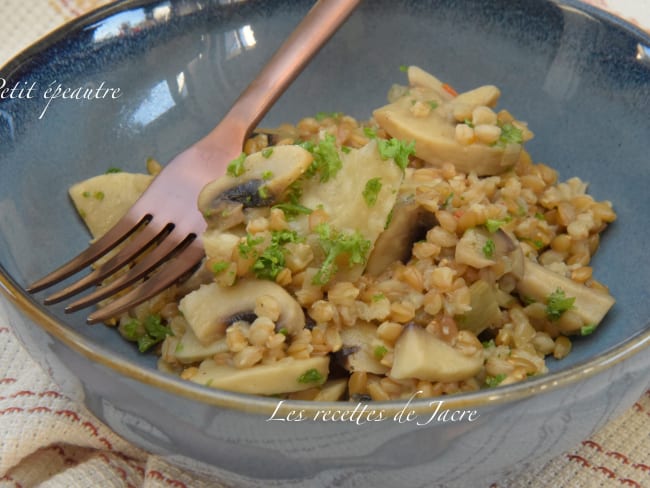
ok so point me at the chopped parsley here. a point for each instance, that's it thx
(488, 344)
(266, 153)
(371, 191)
(540, 216)
(113, 170)
(433, 104)
(293, 209)
(588, 329)
(335, 244)
(492, 381)
(510, 135)
(248, 247)
(489, 248)
(263, 192)
(370, 132)
(557, 303)
(320, 116)
(146, 333)
(284, 331)
(378, 296)
(311, 376)
(269, 264)
(380, 352)
(403, 68)
(398, 150)
(236, 166)
(267, 175)
(327, 161)
(468, 123)
(492, 225)
(220, 266)
(345, 149)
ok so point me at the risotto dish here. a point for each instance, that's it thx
(421, 252)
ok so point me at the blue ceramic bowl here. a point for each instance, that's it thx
(579, 77)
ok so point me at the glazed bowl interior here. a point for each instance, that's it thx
(580, 79)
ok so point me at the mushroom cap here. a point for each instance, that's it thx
(212, 308)
(263, 178)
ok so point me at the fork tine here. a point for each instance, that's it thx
(142, 240)
(149, 262)
(120, 231)
(167, 275)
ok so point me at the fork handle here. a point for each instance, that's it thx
(320, 23)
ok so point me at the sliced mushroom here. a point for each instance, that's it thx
(419, 354)
(212, 308)
(358, 352)
(538, 283)
(420, 78)
(283, 376)
(480, 248)
(409, 222)
(332, 391)
(485, 310)
(264, 177)
(434, 131)
(188, 349)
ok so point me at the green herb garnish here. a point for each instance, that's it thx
(220, 266)
(113, 170)
(320, 116)
(267, 175)
(147, 333)
(371, 191)
(311, 376)
(492, 381)
(269, 264)
(489, 248)
(327, 161)
(248, 247)
(557, 303)
(236, 166)
(403, 68)
(266, 153)
(398, 150)
(380, 352)
(370, 132)
(334, 244)
(588, 329)
(488, 344)
(492, 225)
(433, 104)
(510, 135)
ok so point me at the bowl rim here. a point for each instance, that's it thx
(261, 405)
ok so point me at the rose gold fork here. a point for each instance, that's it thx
(166, 219)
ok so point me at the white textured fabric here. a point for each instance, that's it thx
(48, 440)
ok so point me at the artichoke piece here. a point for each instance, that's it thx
(419, 354)
(103, 200)
(485, 310)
